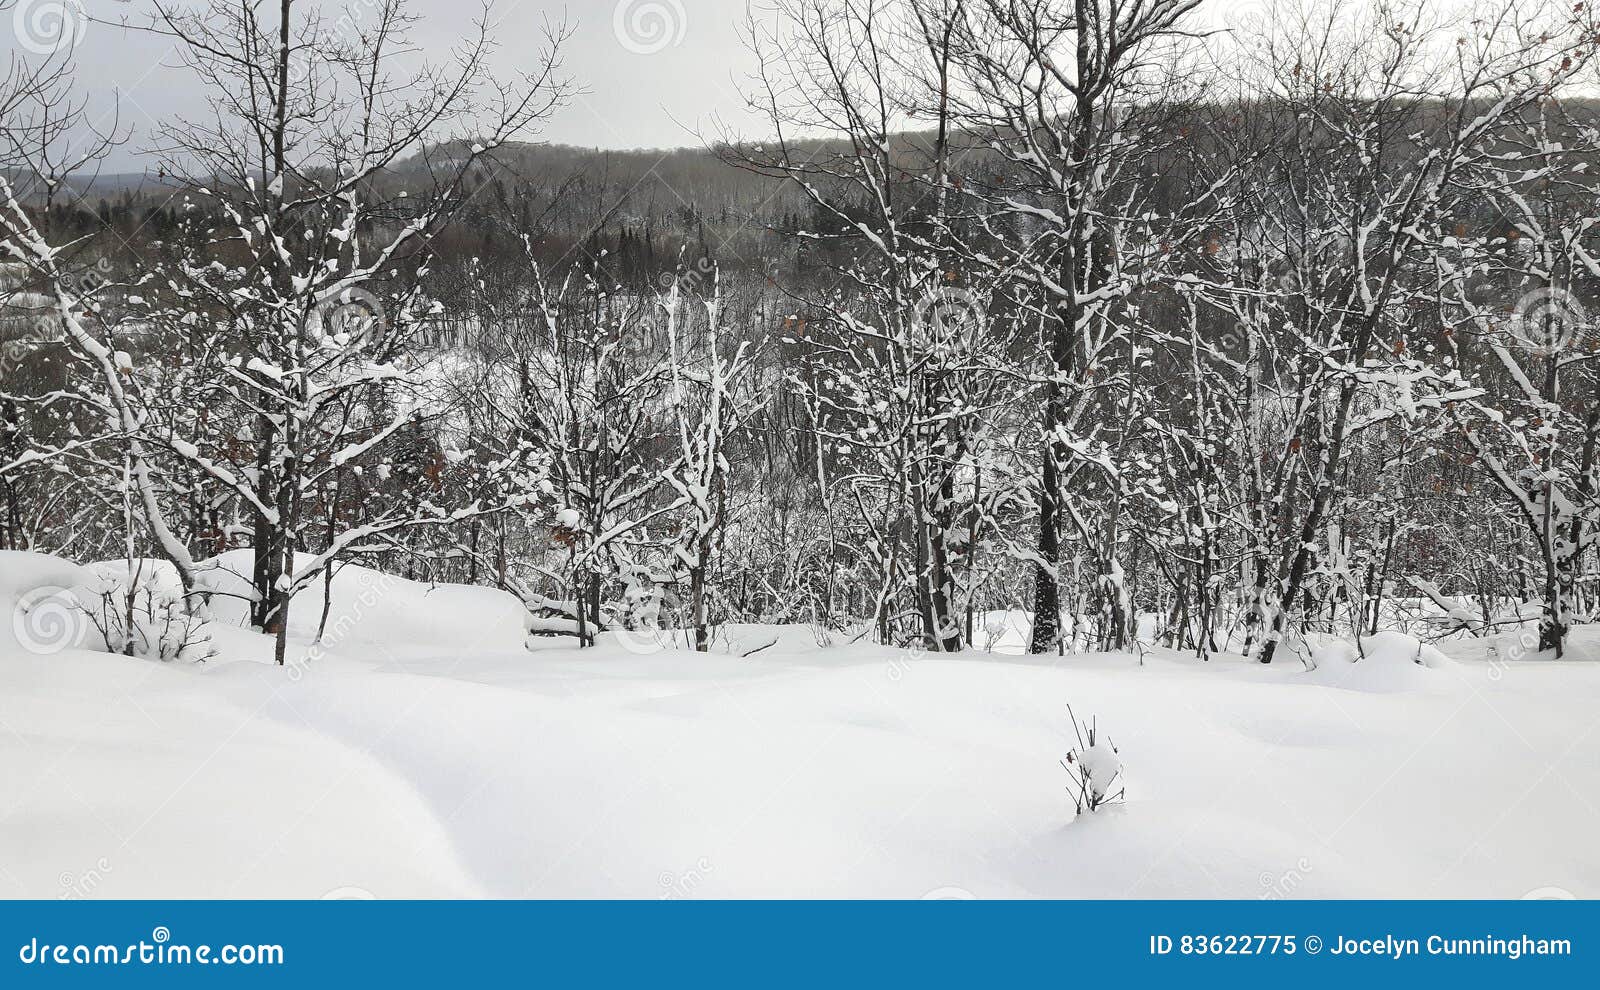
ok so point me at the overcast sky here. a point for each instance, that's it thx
(652, 73)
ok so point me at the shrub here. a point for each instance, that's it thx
(1094, 767)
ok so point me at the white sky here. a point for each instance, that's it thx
(631, 95)
(639, 89)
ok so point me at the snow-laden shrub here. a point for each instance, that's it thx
(1094, 767)
(141, 616)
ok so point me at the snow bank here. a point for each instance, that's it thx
(22, 572)
(429, 754)
(368, 606)
(35, 613)
(159, 780)
(147, 573)
(1387, 661)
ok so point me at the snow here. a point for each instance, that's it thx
(22, 572)
(27, 580)
(425, 753)
(369, 606)
(1102, 765)
(1387, 661)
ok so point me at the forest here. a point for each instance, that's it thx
(1161, 335)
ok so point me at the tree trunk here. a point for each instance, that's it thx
(1046, 584)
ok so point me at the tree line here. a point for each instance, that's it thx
(1159, 332)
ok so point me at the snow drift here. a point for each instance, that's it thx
(424, 752)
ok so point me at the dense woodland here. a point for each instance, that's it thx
(1168, 335)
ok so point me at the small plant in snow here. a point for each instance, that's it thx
(145, 620)
(1094, 767)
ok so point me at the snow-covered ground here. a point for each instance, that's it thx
(422, 751)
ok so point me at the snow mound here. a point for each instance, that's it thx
(52, 605)
(39, 614)
(369, 606)
(22, 572)
(157, 575)
(1387, 661)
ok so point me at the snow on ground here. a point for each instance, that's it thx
(422, 752)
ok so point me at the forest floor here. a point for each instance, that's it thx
(422, 751)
